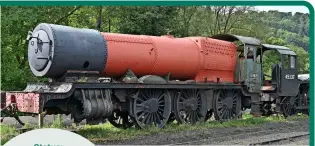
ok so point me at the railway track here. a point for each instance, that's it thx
(276, 140)
(236, 138)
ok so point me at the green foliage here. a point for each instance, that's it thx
(7, 133)
(273, 57)
(57, 123)
(273, 27)
(15, 23)
(146, 20)
(107, 132)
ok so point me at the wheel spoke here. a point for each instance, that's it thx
(189, 106)
(185, 96)
(141, 116)
(160, 98)
(160, 115)
(180, 105)
(227, 104)
(145, 118)
(139, 108)
(288, 108)
(155, 109)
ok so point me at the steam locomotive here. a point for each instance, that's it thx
(139, 80)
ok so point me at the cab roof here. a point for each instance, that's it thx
(280, 49)
(255, 42)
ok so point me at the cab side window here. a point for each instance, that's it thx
(292, 62)
(289, 62)
(286, 63)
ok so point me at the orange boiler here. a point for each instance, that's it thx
(191, 58)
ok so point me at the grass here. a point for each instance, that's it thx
(107, 132)
(7, 133)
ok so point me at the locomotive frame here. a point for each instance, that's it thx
(141, 101)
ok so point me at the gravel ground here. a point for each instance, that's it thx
(218, 136)
(213, 136)
(34, 120)
(256, 138)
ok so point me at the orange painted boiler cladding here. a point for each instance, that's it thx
(198, 58)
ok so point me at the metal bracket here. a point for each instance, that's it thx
(12, 110)
(29, 35)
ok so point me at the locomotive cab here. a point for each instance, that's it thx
(284, 72)
(264, 90)
(248, 69)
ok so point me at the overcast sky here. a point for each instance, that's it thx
(292, 9)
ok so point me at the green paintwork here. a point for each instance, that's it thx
(253, 76)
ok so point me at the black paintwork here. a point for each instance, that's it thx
(289, 84)
(69, 49)
(157, 86)
(284, 77)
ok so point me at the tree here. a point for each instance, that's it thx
(146, 20)
(16, 22)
